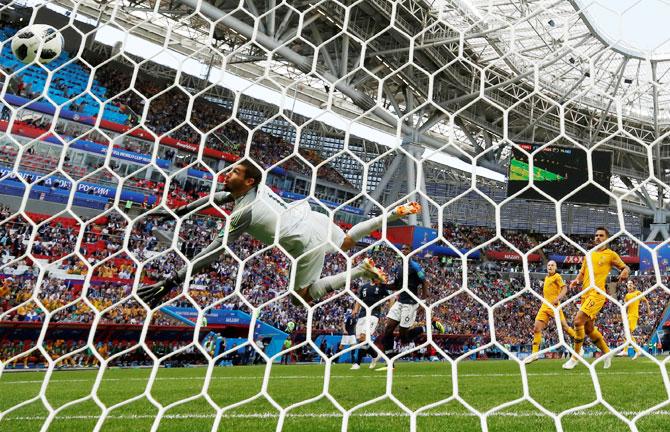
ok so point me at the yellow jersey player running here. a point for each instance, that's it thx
(554, 291)
(593, 300)
(634, 296)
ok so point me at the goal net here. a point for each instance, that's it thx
(333, 215)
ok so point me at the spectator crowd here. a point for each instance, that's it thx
(462, 308)
(73, 273)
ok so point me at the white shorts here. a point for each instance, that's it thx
(366, 324)
(315, 240)
(348, 340)
(405, 314)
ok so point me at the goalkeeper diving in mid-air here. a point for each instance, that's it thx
(302, 232)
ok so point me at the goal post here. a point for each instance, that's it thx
(435, 157)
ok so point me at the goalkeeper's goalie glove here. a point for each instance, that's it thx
(152, 294)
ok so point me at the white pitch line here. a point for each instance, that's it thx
(396, 375)
(330, 415)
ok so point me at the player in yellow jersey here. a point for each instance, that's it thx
(634, 296)
(554, 291)
(593, 300)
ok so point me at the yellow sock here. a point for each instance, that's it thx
(599, 341)
(579, 338)
(569, 330)
(537, 340)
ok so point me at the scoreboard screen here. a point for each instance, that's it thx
(558, 171)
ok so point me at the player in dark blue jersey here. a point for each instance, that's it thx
(348, 326)
(403, 312)
(370, 294)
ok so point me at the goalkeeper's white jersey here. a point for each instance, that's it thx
(262, 213)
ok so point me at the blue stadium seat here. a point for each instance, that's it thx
(73, 74)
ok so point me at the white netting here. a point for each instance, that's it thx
(355, 108)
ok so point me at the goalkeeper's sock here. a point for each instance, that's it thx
(570, 331)
(332, 283)
(579, 338)
(362, 229)
(537, 340)
(599, 341)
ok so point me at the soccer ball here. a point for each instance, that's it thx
(29, 40)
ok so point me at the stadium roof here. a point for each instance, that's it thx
(566, 40)
(525, 57)
(629, 26)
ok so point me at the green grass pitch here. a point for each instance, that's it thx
(629, 387)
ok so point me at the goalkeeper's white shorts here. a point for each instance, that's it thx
(314, 237)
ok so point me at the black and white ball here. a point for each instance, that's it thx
(37, 39)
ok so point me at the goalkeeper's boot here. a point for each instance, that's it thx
(152, 294)
(637, 355)
(372, 272)
(407, 209)
(439, 327)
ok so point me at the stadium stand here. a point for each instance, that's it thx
(69, 81)
(266, 276)
(469, 224)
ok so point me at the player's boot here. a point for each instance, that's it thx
(623, 353)
(571, 363)
(355, 366)
(373, 363)
(607, 362)
(533, 357)
(407, 209)
(152, 294)
(637, 355)
(372, 271)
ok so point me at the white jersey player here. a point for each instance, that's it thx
(305, 234)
